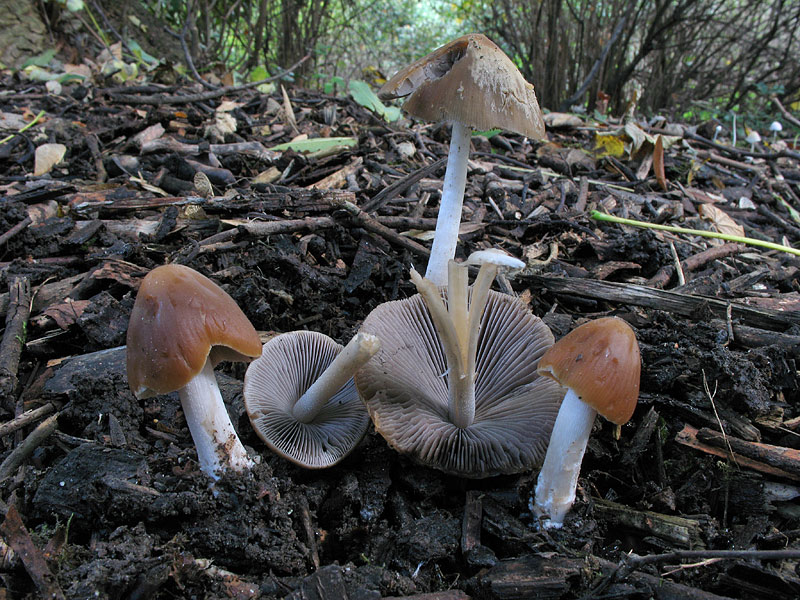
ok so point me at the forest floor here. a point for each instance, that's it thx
(695, 497)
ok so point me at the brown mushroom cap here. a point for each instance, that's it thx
(288, 365)
(179, 320)
(405, 389)
(472, 81)
(600, 362)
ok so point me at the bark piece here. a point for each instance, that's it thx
(16, 535)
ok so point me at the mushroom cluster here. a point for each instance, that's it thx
(455, 383)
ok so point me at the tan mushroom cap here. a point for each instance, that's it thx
(289, 364)
(179, 320)
(472, 81)
(405, 389)
(600, 362)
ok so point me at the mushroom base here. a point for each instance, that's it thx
(218, 446)
(558, 479)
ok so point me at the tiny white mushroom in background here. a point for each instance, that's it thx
(182, 324)
(753, 138)
(775, 127)
(599, 364)
(717, 131)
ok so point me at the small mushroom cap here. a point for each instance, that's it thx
(179, 320)
(600, 362)
(274, 382)
(497, 257)
(405, 389)
(753, 137)
(472, 81)
(775, 126)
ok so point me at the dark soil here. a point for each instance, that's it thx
(113, 498)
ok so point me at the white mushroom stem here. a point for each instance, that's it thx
(218, 446)
(445, 237)
(558, 479)
(458, 326)
(358, 351)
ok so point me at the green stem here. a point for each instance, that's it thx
(28, 126)
(710, 234)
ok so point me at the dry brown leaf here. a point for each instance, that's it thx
(720, 221)
(48, 156)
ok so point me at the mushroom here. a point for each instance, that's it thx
(775, 127)
(301, 399)
(455, 384)
(183, 324)
(752, 138)
(598, 362)
(472, 84)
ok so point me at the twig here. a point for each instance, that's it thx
(632, 562)
(210, 95)
(680, 303)
(21, 453)
(786, 114)
(390, 235)
(19, 305)
(710, 234)
(637, 561)
(677, 260)
(4, 237)
(26, 419)
(693, 262)
(399, 186)
(186, 53)
(710, 396)
(26, 127)
(17, 536)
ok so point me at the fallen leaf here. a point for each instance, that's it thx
(48, 156)
(608, 144)
(720, 221)
(556, 120)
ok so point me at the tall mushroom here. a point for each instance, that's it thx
(183, 324)
(599, 364)
(301, 398)
(455, 384)
(472, 84)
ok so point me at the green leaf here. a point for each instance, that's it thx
(70, 78)
(258, 74)
(489, 133)
(141, 54)
(40, 60)
(328, 146)
(363, 94)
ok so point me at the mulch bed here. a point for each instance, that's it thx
(696, 497)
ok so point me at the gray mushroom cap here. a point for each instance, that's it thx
(472, 81)
(405, 389)
(288, 365)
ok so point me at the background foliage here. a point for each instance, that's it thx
(702, 56)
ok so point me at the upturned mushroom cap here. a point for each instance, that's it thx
(288, 365)
(472, 81)
(179, 320)
(600, 362)
(405, 389)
